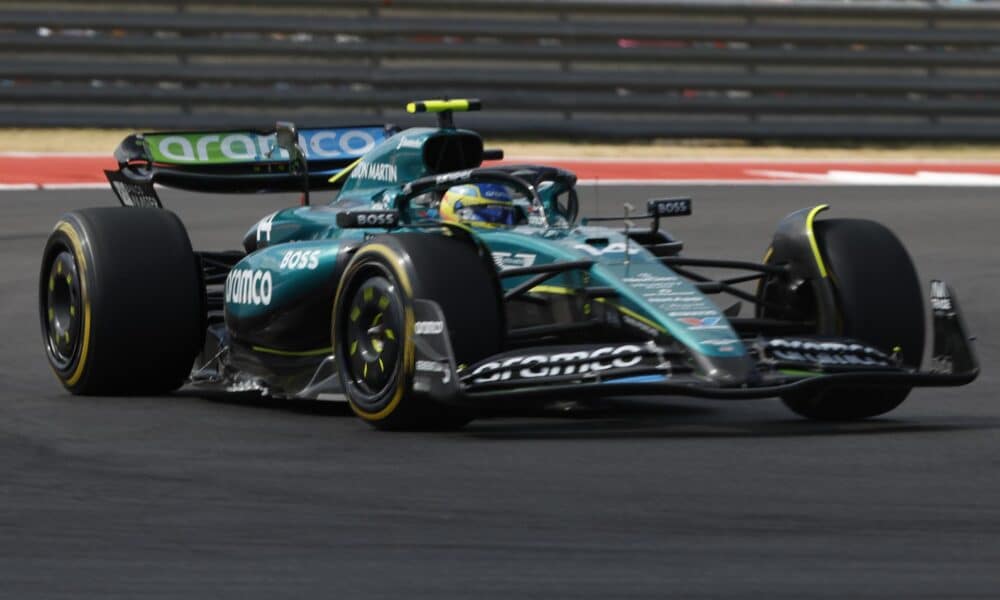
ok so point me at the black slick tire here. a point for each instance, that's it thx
(373, 323)
(121, 301)
(879, 301)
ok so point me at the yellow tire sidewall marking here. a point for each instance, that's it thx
(81, 263)
(395, 264)
(812, 238)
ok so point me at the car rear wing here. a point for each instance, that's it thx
(282, 159)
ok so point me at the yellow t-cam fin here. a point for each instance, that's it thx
(436, 106)
(343, 172)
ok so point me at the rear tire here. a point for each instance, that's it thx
(879, 299)
(373, 323)
(121, 301)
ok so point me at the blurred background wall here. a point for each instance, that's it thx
(637, 69)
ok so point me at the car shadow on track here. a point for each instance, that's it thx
(257, 400)
(612, 420)
(679, 421)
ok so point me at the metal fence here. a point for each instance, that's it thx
(556, 68)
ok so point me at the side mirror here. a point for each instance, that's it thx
(287, 138)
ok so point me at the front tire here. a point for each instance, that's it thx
(373, 323)
(120, 300)
(879, 301)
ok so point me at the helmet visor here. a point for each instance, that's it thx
(498, 213)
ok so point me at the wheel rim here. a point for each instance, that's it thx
(373, 327)
(63, 308)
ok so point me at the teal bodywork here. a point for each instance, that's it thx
(650, 296)
(647, 290)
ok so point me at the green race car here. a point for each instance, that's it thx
(431, 289)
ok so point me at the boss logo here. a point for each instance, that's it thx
(670, 207)
(370, 218)
(300, 259)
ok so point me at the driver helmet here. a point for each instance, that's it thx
(479, 205)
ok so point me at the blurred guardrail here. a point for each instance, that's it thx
(552, 68)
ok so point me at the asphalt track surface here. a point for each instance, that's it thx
(192, 497)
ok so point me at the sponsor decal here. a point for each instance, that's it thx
(510, 260)
(428, 327)
(720, 342)
(456, 176)
(430, 366)
(670, 207)
(376, 218)
(612, 248)
(249, 286)
(264, 228)
(642, 278)
(698, 322)
(248, 146)
(131, 193)
(714, 321)
(692, 313)
(723, 344)
(940, 297)
(567, 362)
(300, 259)
(405, 142)
(825, 353)
(134, 195)
(368, 218)
(383, 172)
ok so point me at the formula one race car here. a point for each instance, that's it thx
(433, 289)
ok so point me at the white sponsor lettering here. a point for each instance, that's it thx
(720, 342)
(405, 142)
(349, 143)
(825, 353)
(134, 195)
(264, 228)
(509, 260)
(693, 313)
(453, 176)
(202, 145)
(238, 147)
(241, 146)
(300, 259)
(376, 219)
(666, 208)
(377, 172)
(940, 298)
(429, 366)
(249, 286)
(612, 248)
(316, 144)
(548, 365)
(428, 327)
(175, 147)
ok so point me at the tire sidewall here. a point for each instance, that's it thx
(69, 236)
(383, 258)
